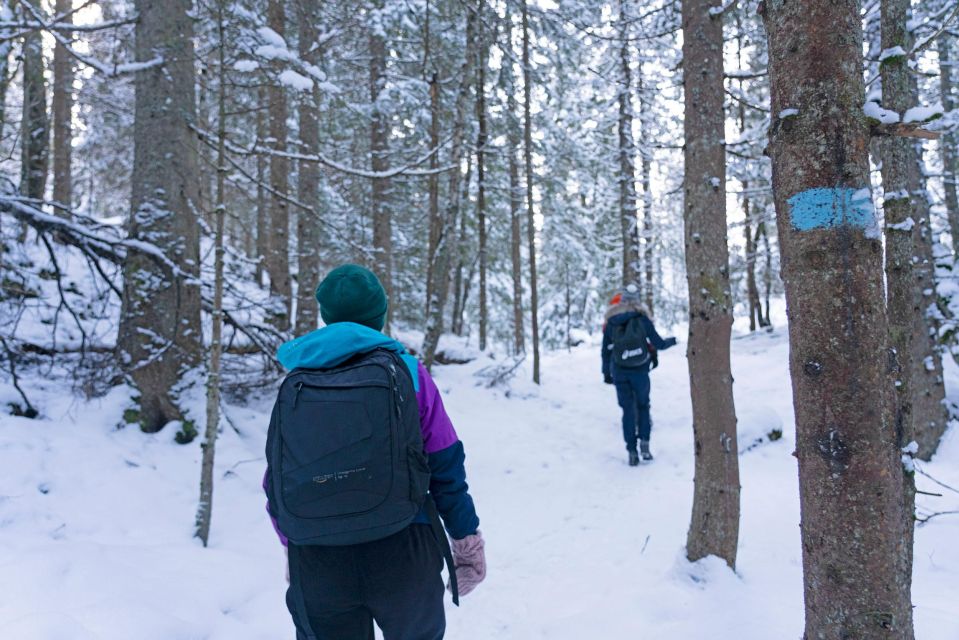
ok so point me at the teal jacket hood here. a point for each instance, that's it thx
(336, 343)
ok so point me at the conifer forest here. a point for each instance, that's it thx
(770, 185)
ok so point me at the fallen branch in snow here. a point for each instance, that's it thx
(498, 374)
(939, 482)
(921, 520)
(29, 411)
(103, 243)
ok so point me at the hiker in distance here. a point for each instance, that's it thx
(630, 350)
(363, 462)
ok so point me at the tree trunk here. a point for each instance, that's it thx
(762, 231)
(752, 290)
(629, 224)
(530, 219)
(850, 473)
(714, 527)
(459, 288)
(205, 508)
(278, 256)
(649, 288)
(63, 115)
(436, 221)
(949, 140)
(445, 229)
(481, 138)
(159, 335)
(516, 217)
(909, 263)
(263, 201)
(35, 124)
(6, 47)
(308, 187)
(379, 156)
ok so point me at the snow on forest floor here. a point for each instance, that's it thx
(96, 523)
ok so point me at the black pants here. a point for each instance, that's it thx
(337, 592)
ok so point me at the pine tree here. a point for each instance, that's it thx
(850, 474)
(714, 528)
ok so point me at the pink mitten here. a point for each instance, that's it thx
(470, 562)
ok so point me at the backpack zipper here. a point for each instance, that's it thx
(296, 396)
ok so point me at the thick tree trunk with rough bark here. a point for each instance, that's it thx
(850, 472)
(278, 255)
(308, 186)
(35, 124)
(379, 156)
(63, 114)
(530, 218)
(949, 141)
(909, 264)
(629, 223)
(714, 527)
(159, 335)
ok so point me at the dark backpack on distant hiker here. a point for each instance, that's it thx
(345, 451)
(630, 346)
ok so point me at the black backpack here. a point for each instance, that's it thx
(345, 451)
(630, 347)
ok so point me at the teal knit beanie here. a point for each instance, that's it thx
(351, 293)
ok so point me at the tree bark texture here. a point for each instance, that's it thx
(714, 527)
(35, 124)
(436, 221)
(530, 218)
(204, 513)
(263, 200)
(6, 47)
(278, 256)
(910, 282)
(379, 157)
(446, 233)
(629, 223)
(481, 138)
(63, 114)
(516, 219)
(645, 170)
(949, 140)
(850, 472)
(308, 186)
(159, 335)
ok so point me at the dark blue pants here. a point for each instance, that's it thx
(632, 392)
(337, 592)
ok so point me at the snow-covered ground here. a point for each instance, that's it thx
(96, 523)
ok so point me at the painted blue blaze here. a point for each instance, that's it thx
(827, 208)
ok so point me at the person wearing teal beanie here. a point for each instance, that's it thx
(338, 592)
(351, 293)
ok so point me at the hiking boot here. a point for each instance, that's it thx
(633, 458)
(644, 449)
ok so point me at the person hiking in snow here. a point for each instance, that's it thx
(364, 470)
(631, 348)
